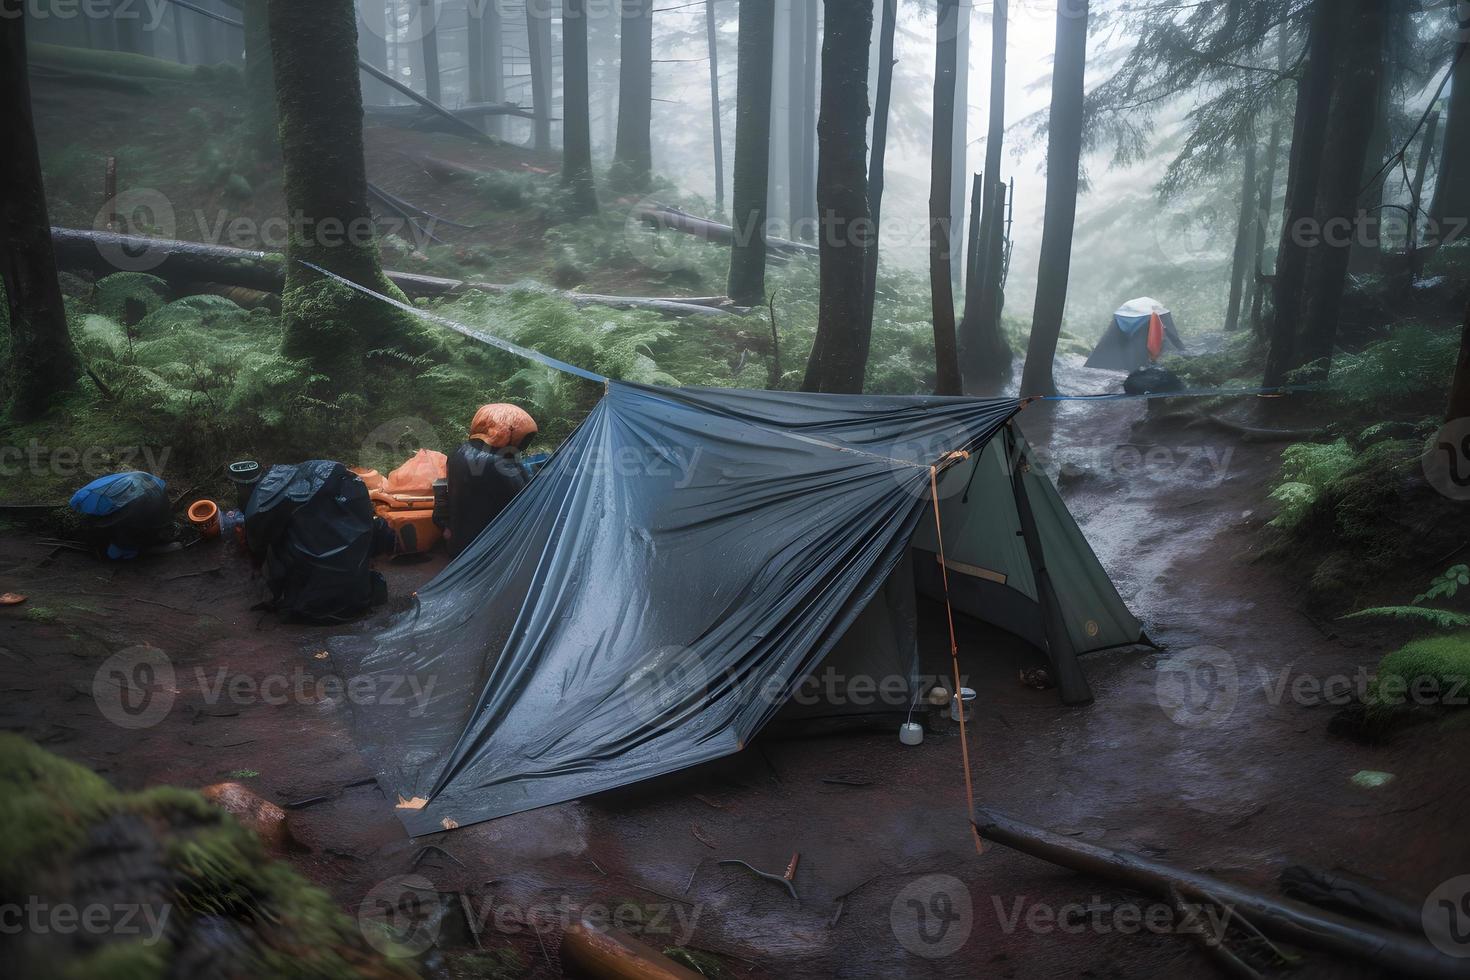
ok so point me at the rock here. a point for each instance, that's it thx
(1072, 474)
(260, 816)
(1151, 380)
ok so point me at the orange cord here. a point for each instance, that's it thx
(954, 656)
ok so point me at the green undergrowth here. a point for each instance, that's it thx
(66, 836)
(1426, 674)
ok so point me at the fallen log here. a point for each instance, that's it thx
(1337, 893)
(1284, 919)
(592, 950)
(414, 117)
(103, 253)
(661, 216)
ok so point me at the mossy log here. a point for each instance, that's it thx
(183, 263)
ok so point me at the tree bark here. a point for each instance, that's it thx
(985, 354)
(1314, 100)
(538, 45)
(319, 104)
(886, 34)
(1063, 163)
(43, 362)
(633, 154)
(839, 357)
(1451, 207)
(712, 39)
(576, 170)
(260, 79)
(941, 216)
(1243, 236)
(747, 284)
(1349, 129)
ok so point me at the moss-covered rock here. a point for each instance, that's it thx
(179, 888)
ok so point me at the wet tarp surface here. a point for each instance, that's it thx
(649, 601)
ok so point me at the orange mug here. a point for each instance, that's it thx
(204, 515)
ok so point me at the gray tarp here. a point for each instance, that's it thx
(684, 560)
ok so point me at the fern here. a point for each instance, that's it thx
(1442, 619)
(1445, 585)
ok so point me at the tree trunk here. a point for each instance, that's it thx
(433, 77)
(260, 79)
(808, 182)
(1243, 236)
(319, 103)
(1459, 407)
(959, 187)
(1063, 162)
(1314, 100)
(747, 286)
(1367, 249)
(839, 358)
(1268, 196)
(43, 362)
(576, 170)
(941, 162)
(486, 70)
(1451, 205)
(1349, 128)
(886, 33)
(633, 156)
(712, 39)
(985, 354)
(1416, 191)
(538, 45)
(801, 118)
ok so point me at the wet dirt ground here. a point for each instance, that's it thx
(1240, 784)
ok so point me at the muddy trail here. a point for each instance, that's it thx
(1240, 784)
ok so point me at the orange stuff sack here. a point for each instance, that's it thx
(416, 477)
(501, 425)
(405, 499)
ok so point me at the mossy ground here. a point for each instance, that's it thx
(180, 854)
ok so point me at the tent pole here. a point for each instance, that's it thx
(1072, 683)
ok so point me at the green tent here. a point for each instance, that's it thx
(1017, 559)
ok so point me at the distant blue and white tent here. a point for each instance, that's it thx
(1140, 331)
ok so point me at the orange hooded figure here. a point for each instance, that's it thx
(485, 472)
(500, 426)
